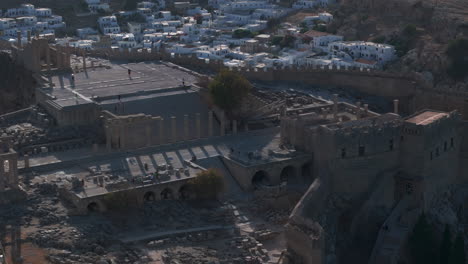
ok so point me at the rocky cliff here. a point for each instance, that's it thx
(16, 85)
(421, 31)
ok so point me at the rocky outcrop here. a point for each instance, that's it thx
(17, 85)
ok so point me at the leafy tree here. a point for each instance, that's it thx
(320, 27)
(422, 243)
(130, 5)
(379, 39)
(198, 18)
(410, 30)
(457, 254)
(276, 40)
(208, 184)
(242, 33)
(457, 52)
(287, 41)
(446, 246)
(228, 89)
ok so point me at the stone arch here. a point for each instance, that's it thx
(167, 194)
(288, 174)
(260, 178)
(149, 196)
(93, 207)
(307, 172)
(186, 192)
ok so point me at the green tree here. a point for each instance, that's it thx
(228, 90)
(242, 33)
(276, 40)
(379, 39)
(446, 246)
(130, 5)
(457, 52)
(287, 41)
(457, 254)
(410, 30)
(208, 184)
(422, 243)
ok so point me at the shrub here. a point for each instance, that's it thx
(457, 52)
(208, 184)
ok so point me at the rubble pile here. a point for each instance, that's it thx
(178, 214)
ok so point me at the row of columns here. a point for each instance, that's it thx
(121, 130)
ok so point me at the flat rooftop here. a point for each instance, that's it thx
(104, 85)
(427, 117)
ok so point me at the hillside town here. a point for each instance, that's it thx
(238, 33)
(233, 132)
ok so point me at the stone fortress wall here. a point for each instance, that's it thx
(379, 160)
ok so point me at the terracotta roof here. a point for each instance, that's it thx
(364, 61)
(427, 117)
(314, 33)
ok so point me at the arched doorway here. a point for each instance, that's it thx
(260, 178)
(307, 173)
(167, 194)
(186, 192)
(93, 207)
(149, 196)
(288, 174)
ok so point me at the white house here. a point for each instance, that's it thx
(127, 41)
(146, 4)
(108, 25)
(320, 40)
(6, 23)
(84, 32)
(381, 53)
(26, 21)
(23, 10)
(43, 12)
(54, 21)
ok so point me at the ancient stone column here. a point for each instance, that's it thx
(108, 138)
(26, 161)
(49, 66)
(13, 172)
(222, 124)
(395, 106)
(58, 59)
(210, 124)
(68, 56)
(84, 60)
(2, 175)
(335, 107)
(198, 124)
(186, 127)
(161, 131)
(18, 36)
(174, 128)
(64, 61)
(148, 134)
(234, 127)
(123, 135)
(358, 110)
